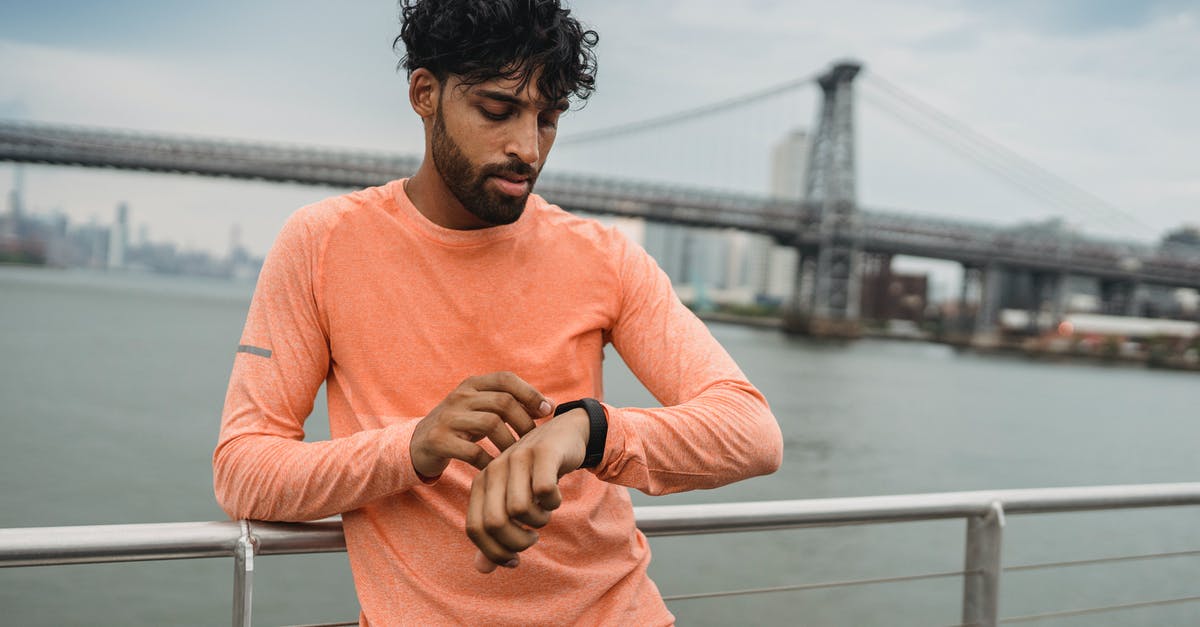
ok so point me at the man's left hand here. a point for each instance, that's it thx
(519, 489)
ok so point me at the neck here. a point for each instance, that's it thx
(429, 194)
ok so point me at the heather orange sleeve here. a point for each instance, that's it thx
(262, 468)
(714, 427)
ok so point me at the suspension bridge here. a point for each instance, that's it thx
(833, 235)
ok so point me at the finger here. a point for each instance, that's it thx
(537, 404)
(485, 565)
(496, 521)
(506, 407)
(451, 447)
(484, 424)
(519, 499)
(544, 482)
(488, 547)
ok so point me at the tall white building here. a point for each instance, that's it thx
(789, 170)
(118, 238)
(789, 165)
(12, 226)
(781, 273)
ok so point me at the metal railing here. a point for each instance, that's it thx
(985, 513)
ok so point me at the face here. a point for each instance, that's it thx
(489, 143)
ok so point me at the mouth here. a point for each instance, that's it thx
(512, 184)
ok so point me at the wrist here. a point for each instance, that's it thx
(427, 479)
(427, 471)
(579, 424)
(425, 468)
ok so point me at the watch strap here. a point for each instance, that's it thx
(597, 428)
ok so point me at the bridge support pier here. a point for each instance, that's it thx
(1137, 298)
(800, 301)
(988, 316)
(830, 187)
(978, 304)
(795, 312)
(1119, 297)
(1058, 298)
(964, 320)
(1048, 295)
(1033, 304)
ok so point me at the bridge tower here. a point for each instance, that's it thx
(829, 303)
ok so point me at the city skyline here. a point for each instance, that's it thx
(51, 238)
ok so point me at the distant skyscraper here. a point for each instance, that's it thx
(747, 266)
(710, 258)
(789, 172)
(15, 209)
(666, 243)
(118, 238)
(789, 166)
(781, 274)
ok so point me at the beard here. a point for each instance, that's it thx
(469, 185)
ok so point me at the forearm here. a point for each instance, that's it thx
(266, 476)
(725, 434)
(714, 427)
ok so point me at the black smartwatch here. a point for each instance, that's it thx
(597, 428)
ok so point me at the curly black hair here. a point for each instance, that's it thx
(481, 40)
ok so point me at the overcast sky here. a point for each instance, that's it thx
(1103, 93)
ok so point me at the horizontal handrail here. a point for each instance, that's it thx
(89, 544)
(763, 515)
(42, 546)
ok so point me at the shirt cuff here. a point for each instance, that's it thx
(401, 442)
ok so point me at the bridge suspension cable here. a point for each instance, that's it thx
(971, 151)
(992, 155)
(686, 115)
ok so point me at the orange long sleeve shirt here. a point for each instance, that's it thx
(392, 311)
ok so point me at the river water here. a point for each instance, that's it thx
(112, 385)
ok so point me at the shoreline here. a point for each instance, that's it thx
(1030, 348)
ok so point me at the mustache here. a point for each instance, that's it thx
(515, 167)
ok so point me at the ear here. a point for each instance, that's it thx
(424, 89)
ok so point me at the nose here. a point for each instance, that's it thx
(523, 141)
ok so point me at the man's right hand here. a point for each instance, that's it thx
(485, 406)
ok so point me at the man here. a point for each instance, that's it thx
(447, 314)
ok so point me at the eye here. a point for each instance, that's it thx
(548, 122)
(495, 116)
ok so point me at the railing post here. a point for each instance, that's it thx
(243, 576)
(981, 584)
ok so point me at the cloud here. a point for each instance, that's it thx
(138, 91)
(13, 109)
(1079, 18)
